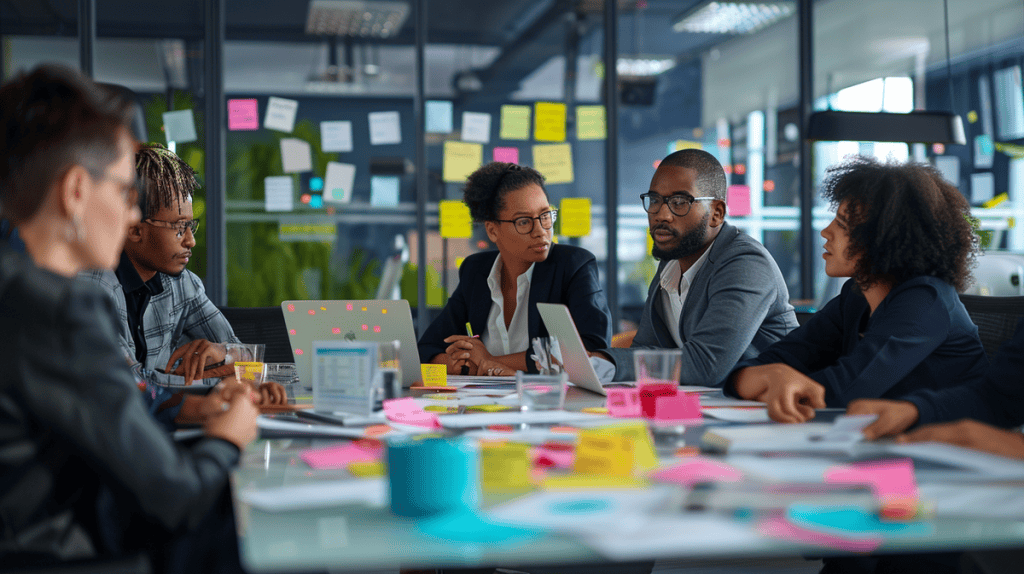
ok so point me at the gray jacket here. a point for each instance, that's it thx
(738, 304)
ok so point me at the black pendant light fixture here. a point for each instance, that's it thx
(918, 126)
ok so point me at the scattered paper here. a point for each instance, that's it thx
(439, 117)
(455, 219)
(738, 200)
(243, 115)
(266, 423)
(738, 415)
(408, 411)
(340, 456)
(674, 535)
(574, 217)
(780, 528)
(278, 194)
(697, 469)
(476, 127)
(384, 190)
(280, 114)
(515, 122)
(554, 162)
(385, 128)
(597, 511)
(461, 159)
(590, 123)
(296, 155)
(506, 154)
(180, 126)
(323, 494)
(549, 122)
(509, 418)
(623, 403)
(679, 407)
(888, 478)
(336, 136)
(338, 182)
(982, 501)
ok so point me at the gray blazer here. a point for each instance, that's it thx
(737, 305)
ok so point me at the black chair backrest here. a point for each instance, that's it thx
(262, 325)
(996, 318)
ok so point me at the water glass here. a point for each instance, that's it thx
(247, 359)
(281, 373)
(658, 365)
(387, 383)
(541, 392)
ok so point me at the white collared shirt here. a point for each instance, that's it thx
(516, 338)
(674, 290)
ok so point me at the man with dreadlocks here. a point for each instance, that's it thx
(164, 311)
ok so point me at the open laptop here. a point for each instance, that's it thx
(350, 320)
(559, 323)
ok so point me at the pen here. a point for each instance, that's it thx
(469, 329)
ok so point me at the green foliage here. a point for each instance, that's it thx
(984, 235)
(436, 295)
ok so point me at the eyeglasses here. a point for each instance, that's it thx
(678, 204)
(178, 226)
(524, 225)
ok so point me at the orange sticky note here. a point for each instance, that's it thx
(434, 375)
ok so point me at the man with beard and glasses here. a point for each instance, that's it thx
(718, 294)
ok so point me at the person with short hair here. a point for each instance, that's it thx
(901, 232)
(499, 290)
(79, 453)
(718, 294)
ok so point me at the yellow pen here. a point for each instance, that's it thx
(469, 329)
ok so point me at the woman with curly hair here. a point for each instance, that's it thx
(499, 290)
(902, 233)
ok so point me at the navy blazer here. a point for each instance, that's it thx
(568, 276)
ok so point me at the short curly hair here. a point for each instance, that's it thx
(904, 221)
(487, 187)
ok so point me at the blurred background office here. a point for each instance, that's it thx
(392, 101)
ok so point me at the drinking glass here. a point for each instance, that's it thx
(247, 359)
(541, 392)
(658, 366)
(387, 383)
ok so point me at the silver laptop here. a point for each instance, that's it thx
(559, 323)
(357, 320)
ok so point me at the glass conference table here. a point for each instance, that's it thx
(293, 518)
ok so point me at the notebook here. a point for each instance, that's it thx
(559, 323)
(357, 320)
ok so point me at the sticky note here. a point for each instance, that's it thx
(549, 122)
(574, 216)
(454, 217)
(685, 144)
(340, 456)
(296, 155)
(604, 453)
(591, 482)
(180, 126)
(476, 127)
(439, 117)
(385, 128)
(680, 407)
(697, 469)
(506, 154)
(645, 457)
(278, 194)
(243, 115)
(515, 122)
(367, 469)
(889, 479)
(280, 114)
(461, 159)
(434, 375)
(649, 393)
(554, 455)
(505, 466)
(738, 200)
(336, 136)
(983, 186)
(780, 528)
(590, 123)
(407, 411)
(624, 403)
(984, 151)
(554, 162)
(851, 520)
(338, 182)
(384, 190)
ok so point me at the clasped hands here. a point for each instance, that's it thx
(470, 352)
(196, 355)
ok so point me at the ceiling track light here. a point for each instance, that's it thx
(733, 17)
(356, 18)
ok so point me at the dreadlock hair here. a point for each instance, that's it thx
(487, 187)
(163, 178)
(905, 221)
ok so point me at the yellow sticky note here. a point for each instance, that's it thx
(441, 409)
(604, 453)
(515, 122)
(589, 482)
(366, 469)
(644, 456)
(454, 218)
(548, 122)
(574, 217)
(685, 144)
(434, 375)
(488, 408)
(461, 159)
(995, 200)
(554, 162)
(595, 410)
(505, 466)
(590, 123)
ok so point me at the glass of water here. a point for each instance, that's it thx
(387, 383)
(541, 392)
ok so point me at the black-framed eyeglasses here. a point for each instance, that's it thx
(178, 226)
(524, 225)
(678, 204)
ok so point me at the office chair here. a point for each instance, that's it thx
(996, 318)
(262, 325)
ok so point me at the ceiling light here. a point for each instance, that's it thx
(357, 18)
(643, 66)
(733, 17)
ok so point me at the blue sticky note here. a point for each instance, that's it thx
(439, 117)
(851, 521)
(467, 526)
(316, 201)
(316, 184)
(384, 190)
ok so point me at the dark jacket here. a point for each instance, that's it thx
(72, 423)
(568, 276)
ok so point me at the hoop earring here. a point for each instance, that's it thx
(75, 231)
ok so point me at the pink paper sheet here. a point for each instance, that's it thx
(779, 527)
(243, 115)
(649, 393)
(408, 411)
(340, 456)
(624, 403)
(888, 478)
(697, 469)
(682, 406)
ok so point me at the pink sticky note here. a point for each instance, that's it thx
(887, 478)
(506, 154)
(738, 199)
(624, 403)
(696, 470)
(779, 527)
(678, 407)
(407, 411)
(649, 393)
(243, 115)
(340, 456)
(548, 457)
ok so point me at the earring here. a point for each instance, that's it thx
(75, 231)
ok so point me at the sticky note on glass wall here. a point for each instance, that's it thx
(476, 127)
(738, 200)
(506, 154)
(243, 115)
(604, 453)
(515, 122)
(574, 217)
(590, 123)
(505, 466)
(280, 114)
(296, 155)
(385, 128)
(554, 162)
(336, 136)
(338, 182)
(278, 193)
(439, 117)
(434, 375)
(384, 190)
(455, 219)
(180, 126)
(685, 144)
(549, 122)
(461, 159)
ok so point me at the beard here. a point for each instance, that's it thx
(687, 244)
